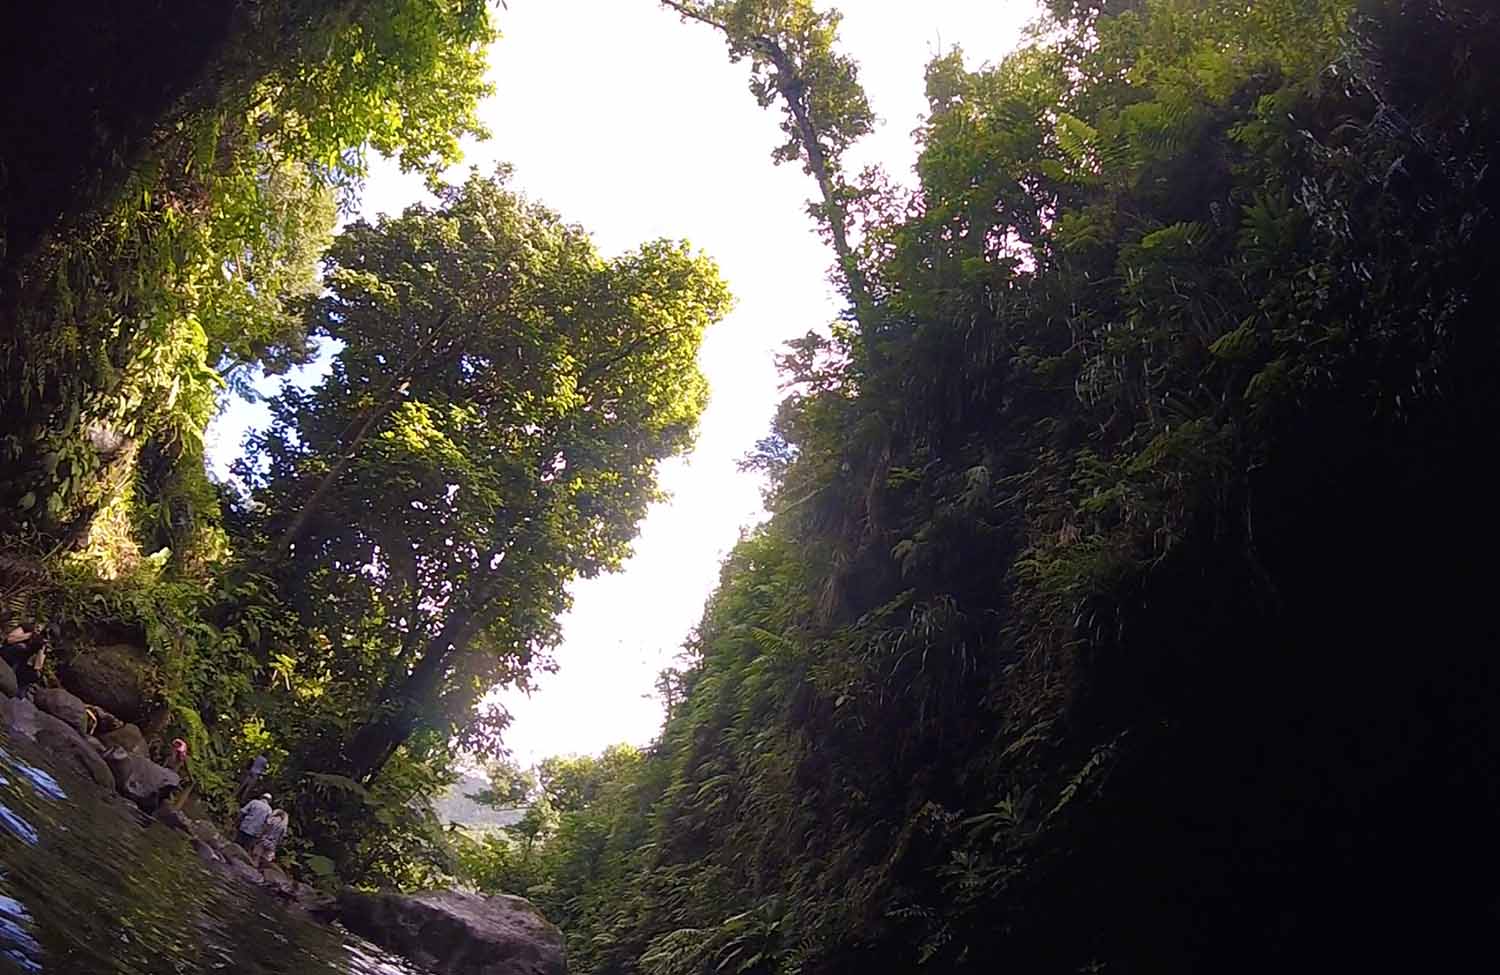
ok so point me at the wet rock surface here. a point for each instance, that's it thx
(86, 890)
(458, 933)
(55, 735)
(64, 706)
(139, 779)
(131, 785)
(127, 737)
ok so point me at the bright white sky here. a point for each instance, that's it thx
(636, 126)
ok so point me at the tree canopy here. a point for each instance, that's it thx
(489, 431)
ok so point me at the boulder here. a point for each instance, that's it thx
(167, 815)
(458, 933)
(21, 716)
(107, 721)
(277, 880)
(58, 737)
(119, 677)
(8, 685)
(205, 851)
(64, 706)
(74, 750)
(235, 869)
(139, 779)
(234, 853)
(126, 736)
(206, 832)
(244, 871)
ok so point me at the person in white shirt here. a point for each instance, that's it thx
(265, 846)
(252, 820)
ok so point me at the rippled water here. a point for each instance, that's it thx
(85, 890)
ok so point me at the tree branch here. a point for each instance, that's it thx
(792, 88)
(359, 429)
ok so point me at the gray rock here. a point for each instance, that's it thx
(8, 685)
(245, 872)
(58, 737)
(276, 879)
(322, 907)
(235, 853)
(139, 779)
(21, 716)
(206, 832)
(71, 747)
(64, 706)
(128, 737)
(119, 677)
(107, 721)
(228, 867)
(205, 851)
(169, 816)
(458, 933)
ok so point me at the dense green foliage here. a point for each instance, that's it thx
(174, 225)
(489, 431)
(400, 539)
(1122, 611)
(165, 252)
(1122, 608)
(168, 245)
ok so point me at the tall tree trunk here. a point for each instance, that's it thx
(403, 700)
(792, 88)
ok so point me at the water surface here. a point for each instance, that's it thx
(85, 889)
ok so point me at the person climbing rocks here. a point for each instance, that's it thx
(252, 776)
(271, 835)
(177, 761)
(253, 819)
(25, 649)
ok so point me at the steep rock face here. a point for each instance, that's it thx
(455, 933)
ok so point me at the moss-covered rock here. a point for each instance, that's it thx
(119, 677)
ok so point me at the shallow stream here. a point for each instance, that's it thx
(85, 889)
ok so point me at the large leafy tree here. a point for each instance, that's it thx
(490, 431)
